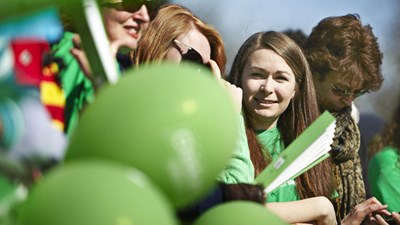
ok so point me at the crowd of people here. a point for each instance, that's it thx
(279, 82)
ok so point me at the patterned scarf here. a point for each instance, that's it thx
(347, 165)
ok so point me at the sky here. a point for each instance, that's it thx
(237, 20)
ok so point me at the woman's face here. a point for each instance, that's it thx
(268, 85)
(125, 27)
(193, 39)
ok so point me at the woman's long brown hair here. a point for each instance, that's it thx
(301, 112)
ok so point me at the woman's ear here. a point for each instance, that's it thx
(294, 93)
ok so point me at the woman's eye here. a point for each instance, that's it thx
(257, 75)
(282, 78)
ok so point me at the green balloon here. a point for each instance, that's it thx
(173, 122)
(239, 213)
(95, 192)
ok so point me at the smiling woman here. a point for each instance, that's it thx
(268, 86)
(279, 102)
(124, 23)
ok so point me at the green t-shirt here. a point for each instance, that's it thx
(78, 89)
(384, 177)
(271, 140)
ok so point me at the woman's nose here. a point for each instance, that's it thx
(267, 86)
(142, 14)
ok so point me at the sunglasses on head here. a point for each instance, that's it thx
(346, 93)
(190, 54)
(135, 5)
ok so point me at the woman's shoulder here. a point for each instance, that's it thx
(386, 157)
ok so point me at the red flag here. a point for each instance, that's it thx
(28, 56)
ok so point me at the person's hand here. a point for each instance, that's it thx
(235, 92)
(364, 211)
(215, 69)
(396, 217)
(390, 220)
(80, 56)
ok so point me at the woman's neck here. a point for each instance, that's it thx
(264, 125)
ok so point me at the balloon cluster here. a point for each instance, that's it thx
(95, 192)
(153, 143)
(149, 145)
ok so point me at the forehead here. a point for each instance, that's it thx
(268, 60)
(195, 39)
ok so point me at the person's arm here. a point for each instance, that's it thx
(239, 168)
(317, 210)
(236, 93)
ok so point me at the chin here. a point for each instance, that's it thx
(266, 115)
(129, 45)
